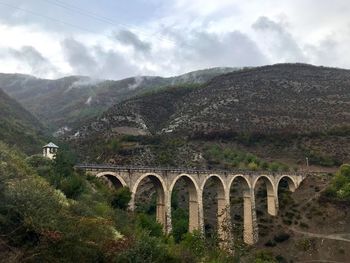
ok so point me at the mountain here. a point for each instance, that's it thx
(66, 102)
(295, 100)
(285, 98)
(18, 127)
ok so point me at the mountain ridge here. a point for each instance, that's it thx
(302, 107)
(72, 99)
(222, 93)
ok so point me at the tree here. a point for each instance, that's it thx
(121, 198)
(64, 164)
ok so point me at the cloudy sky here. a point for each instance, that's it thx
(116, 39)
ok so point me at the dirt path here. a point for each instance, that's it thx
(317, 195)
(340, 237)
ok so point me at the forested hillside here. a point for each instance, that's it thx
(18, 127)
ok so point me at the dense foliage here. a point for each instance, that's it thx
(51, 213)
(340, 187)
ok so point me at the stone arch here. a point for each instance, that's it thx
(195, 202)
(218, 177)
(114, 179)
(161, 191)
(235, 177)
(272, 201)
(222, 202)
(249, 216)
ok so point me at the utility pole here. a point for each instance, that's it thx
(307, 163)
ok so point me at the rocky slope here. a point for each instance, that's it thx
(304, 106)
(285, 98)
(65, 102)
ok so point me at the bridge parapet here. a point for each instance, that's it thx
(146, 169)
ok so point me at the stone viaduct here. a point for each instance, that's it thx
(164, 181)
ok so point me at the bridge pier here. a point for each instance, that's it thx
(272, 203)
(250, 226)
(168, 223)
(224, 218)
(161, 208)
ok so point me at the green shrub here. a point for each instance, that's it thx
(194, 242)
(228, 158)
(253, 166)
(146, 222)
(63, 164)
(121, 198)
(340, 187)
(72, 186)
(38, 160)
(264, 256)
(180, 223)
(273, 167)
(146, 249)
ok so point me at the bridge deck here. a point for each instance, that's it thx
(106, 167)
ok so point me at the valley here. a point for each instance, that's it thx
(264, 120)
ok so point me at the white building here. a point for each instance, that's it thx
(50, 150)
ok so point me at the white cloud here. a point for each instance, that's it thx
(178, 36)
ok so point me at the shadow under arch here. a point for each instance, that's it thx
(270, 193)
(266, 203)
(291, 184)
(241, 203)
(113, 179)
(285, 186)
(160, 188)
(217, 195)
(193, 200)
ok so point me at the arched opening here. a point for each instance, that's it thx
(148, 198)
(286, 203)
(184, 206)
(112, 179)
(241, 210)
(265, 205)
(214, 206)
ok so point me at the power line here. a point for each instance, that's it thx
(91, 15)
(99, 18)
(46, 17)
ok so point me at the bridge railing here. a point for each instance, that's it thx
(182, 170)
